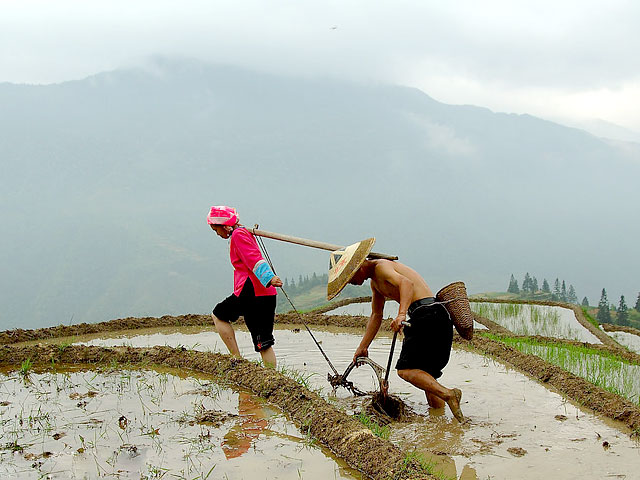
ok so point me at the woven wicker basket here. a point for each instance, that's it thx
(454, 297)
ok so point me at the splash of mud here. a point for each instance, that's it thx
(388, 408)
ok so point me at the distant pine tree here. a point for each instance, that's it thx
(513, 285)
(563, 292)
(604, 315)
(557, 294)
(535, 285)
(638, 303)
(571, 295)
(526, 284)
(545, 286)
(585, 302)
(623, 312)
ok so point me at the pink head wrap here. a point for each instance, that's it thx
(222, 215)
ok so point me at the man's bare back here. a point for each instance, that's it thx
(380, 280)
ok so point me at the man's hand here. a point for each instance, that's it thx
(396, 325)
(276, 282)
(361, 352)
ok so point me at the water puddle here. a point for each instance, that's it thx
(517, 428)
(543, 320)
(146, 424)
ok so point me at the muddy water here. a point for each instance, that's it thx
(629, 340)
(543, 320)
(148, 424)
(517, 428)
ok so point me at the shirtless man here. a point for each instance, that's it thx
(427, 342)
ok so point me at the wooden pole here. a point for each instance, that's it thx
(313, 243)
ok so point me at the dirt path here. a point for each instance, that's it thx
(344, 435)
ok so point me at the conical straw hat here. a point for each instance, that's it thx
(344, 263)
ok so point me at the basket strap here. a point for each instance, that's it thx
(441, 303)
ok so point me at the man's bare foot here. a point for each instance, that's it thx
(454, 404)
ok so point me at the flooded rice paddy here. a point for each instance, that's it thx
(598, 367)
(628, 340)
(529, 319)
(148, 424)
(517, 428)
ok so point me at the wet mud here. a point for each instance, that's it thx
(341, 433)
(386, 408)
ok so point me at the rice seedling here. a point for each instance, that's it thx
(26, 367)
(601, 368)
(299, 377)
(416, 457)
(378, 430)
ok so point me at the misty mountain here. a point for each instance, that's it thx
(106, 183)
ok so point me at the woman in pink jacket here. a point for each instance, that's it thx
(254, 292)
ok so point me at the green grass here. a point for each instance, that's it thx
(26, 367)
(378, 430)
(587, 315)
(414, 457)
(299, 377)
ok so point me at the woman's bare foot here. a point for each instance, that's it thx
(454, 404)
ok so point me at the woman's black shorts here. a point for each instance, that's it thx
(258, 313)
(427, 342)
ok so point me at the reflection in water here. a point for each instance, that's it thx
(241, 436)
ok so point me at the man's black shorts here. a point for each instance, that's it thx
(427, 342)
(258, 313)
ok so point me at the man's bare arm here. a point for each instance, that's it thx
(385, 272)
(373, 325)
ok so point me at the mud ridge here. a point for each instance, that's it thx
(345, 436)
(572, 386)
(19, 335)
(315, 317)
(608, 327)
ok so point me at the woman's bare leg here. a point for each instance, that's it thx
(269, 357)
(228, 336)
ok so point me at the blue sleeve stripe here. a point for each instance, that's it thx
(263, 271)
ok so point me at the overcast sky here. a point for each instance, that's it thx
(560, 59)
